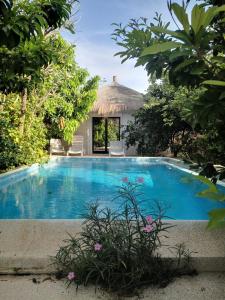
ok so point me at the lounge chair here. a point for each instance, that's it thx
(56, 147)
(77, 146)
(116, 148)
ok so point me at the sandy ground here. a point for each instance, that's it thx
(205, 286)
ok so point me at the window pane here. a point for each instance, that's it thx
(99, 134)
(113, 130)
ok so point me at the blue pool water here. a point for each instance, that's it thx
(62, 189)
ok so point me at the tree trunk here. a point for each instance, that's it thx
(23, 109)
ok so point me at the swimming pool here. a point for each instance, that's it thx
(63, 188)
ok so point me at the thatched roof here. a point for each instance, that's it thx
(117, 98)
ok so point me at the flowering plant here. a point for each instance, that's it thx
(118, 249)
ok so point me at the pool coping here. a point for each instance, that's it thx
(17, 174)
(27, 245)
(19, 169)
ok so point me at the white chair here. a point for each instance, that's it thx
(77, 146)
(116, 148)
(56, 147)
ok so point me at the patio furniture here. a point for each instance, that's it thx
(56, 147)
(116, 148)
(77, 146)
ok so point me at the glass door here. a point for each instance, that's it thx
(113, 130)
(99, 135)
(104, 130)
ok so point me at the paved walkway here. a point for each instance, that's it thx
(206, 286)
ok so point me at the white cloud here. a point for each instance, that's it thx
(99, 60)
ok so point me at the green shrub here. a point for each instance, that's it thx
(18, 148)
(118, 250)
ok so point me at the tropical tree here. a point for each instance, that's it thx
(43, 92)
(193, 54)
(57, 104)
(17, 149)
(159, 124)
(66, 94)
(24, 49)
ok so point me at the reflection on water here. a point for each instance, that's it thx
(63, 191)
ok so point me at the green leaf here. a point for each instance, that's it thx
(218, 59)
(215, 224)
(198, 70)
(176, 34)
(217, 196)
(178, 53)
(185, 64)
(205, 180)
(217, 218)
(211, 13)
(217, 214)
(222, 95)
(214, 82)
(141, 61)
(197, 15)
(162, 47)
(181, 15)
(212, 192)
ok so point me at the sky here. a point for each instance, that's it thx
(95, 49)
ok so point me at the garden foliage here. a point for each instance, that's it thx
(167, 121)
(66, 94)
(43, 92)
(211, 191)
(160, 124)
(17, 149)
(119, 249)
(192, 57)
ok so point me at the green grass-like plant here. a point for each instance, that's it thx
(118, 249)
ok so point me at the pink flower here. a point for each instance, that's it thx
(98, 247)
(140, 180)
(149, 219)
(71, 276)
(148, 228)
(125, 179)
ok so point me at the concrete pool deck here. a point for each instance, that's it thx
(205, 286)
(27, 245)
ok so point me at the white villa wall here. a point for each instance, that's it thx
(126, 117)
(85, 130)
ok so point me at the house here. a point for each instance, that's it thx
(113, 108)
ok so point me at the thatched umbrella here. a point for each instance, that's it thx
(115, 98)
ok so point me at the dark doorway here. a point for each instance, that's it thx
(104, 130)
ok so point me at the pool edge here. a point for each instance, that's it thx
(27, 245)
